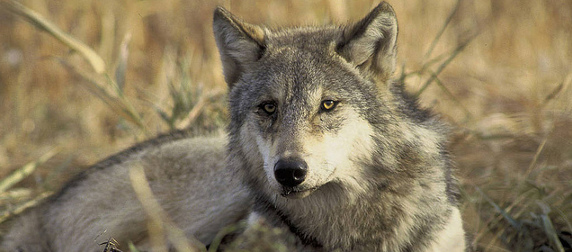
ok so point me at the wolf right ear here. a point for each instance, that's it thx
(370, 44)
(238, 42)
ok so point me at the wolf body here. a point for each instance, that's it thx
(321, 144)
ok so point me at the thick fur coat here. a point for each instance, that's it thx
(321, 144)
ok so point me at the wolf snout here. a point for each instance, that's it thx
(290, 172)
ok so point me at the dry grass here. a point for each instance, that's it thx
(507, 93)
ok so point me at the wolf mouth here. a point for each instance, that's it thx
(293, 193)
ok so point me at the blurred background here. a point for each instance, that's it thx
(500, 72)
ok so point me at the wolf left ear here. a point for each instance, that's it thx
(239, 43)
(370, 44)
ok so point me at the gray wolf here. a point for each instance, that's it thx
(321, 143)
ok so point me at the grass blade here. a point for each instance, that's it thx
(548, 227)
(506, 215)
(458, 50)
(159, 223)
(120, 72)
(42, 23)
(24, 171)
(116, 102)
(440, 33)
(5, 215)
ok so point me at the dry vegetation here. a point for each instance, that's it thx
(500, 71)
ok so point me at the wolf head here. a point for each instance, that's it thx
(307, 103)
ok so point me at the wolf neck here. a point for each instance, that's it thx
(369, 222)
(263, 205)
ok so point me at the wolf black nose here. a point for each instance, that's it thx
(290, 172)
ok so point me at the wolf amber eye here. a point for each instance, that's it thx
(269, 108)
(328, 105)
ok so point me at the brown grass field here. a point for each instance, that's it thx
(499, 71)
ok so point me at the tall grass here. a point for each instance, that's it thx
(500, 71)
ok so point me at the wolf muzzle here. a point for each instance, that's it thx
(290, 172)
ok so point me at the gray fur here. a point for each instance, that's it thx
(377, 174)
(100, 203)
(405, 193)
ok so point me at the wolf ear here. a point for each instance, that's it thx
(238, 42)
(370, 44)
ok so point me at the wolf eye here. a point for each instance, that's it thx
(328, 105)
(268, 107)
